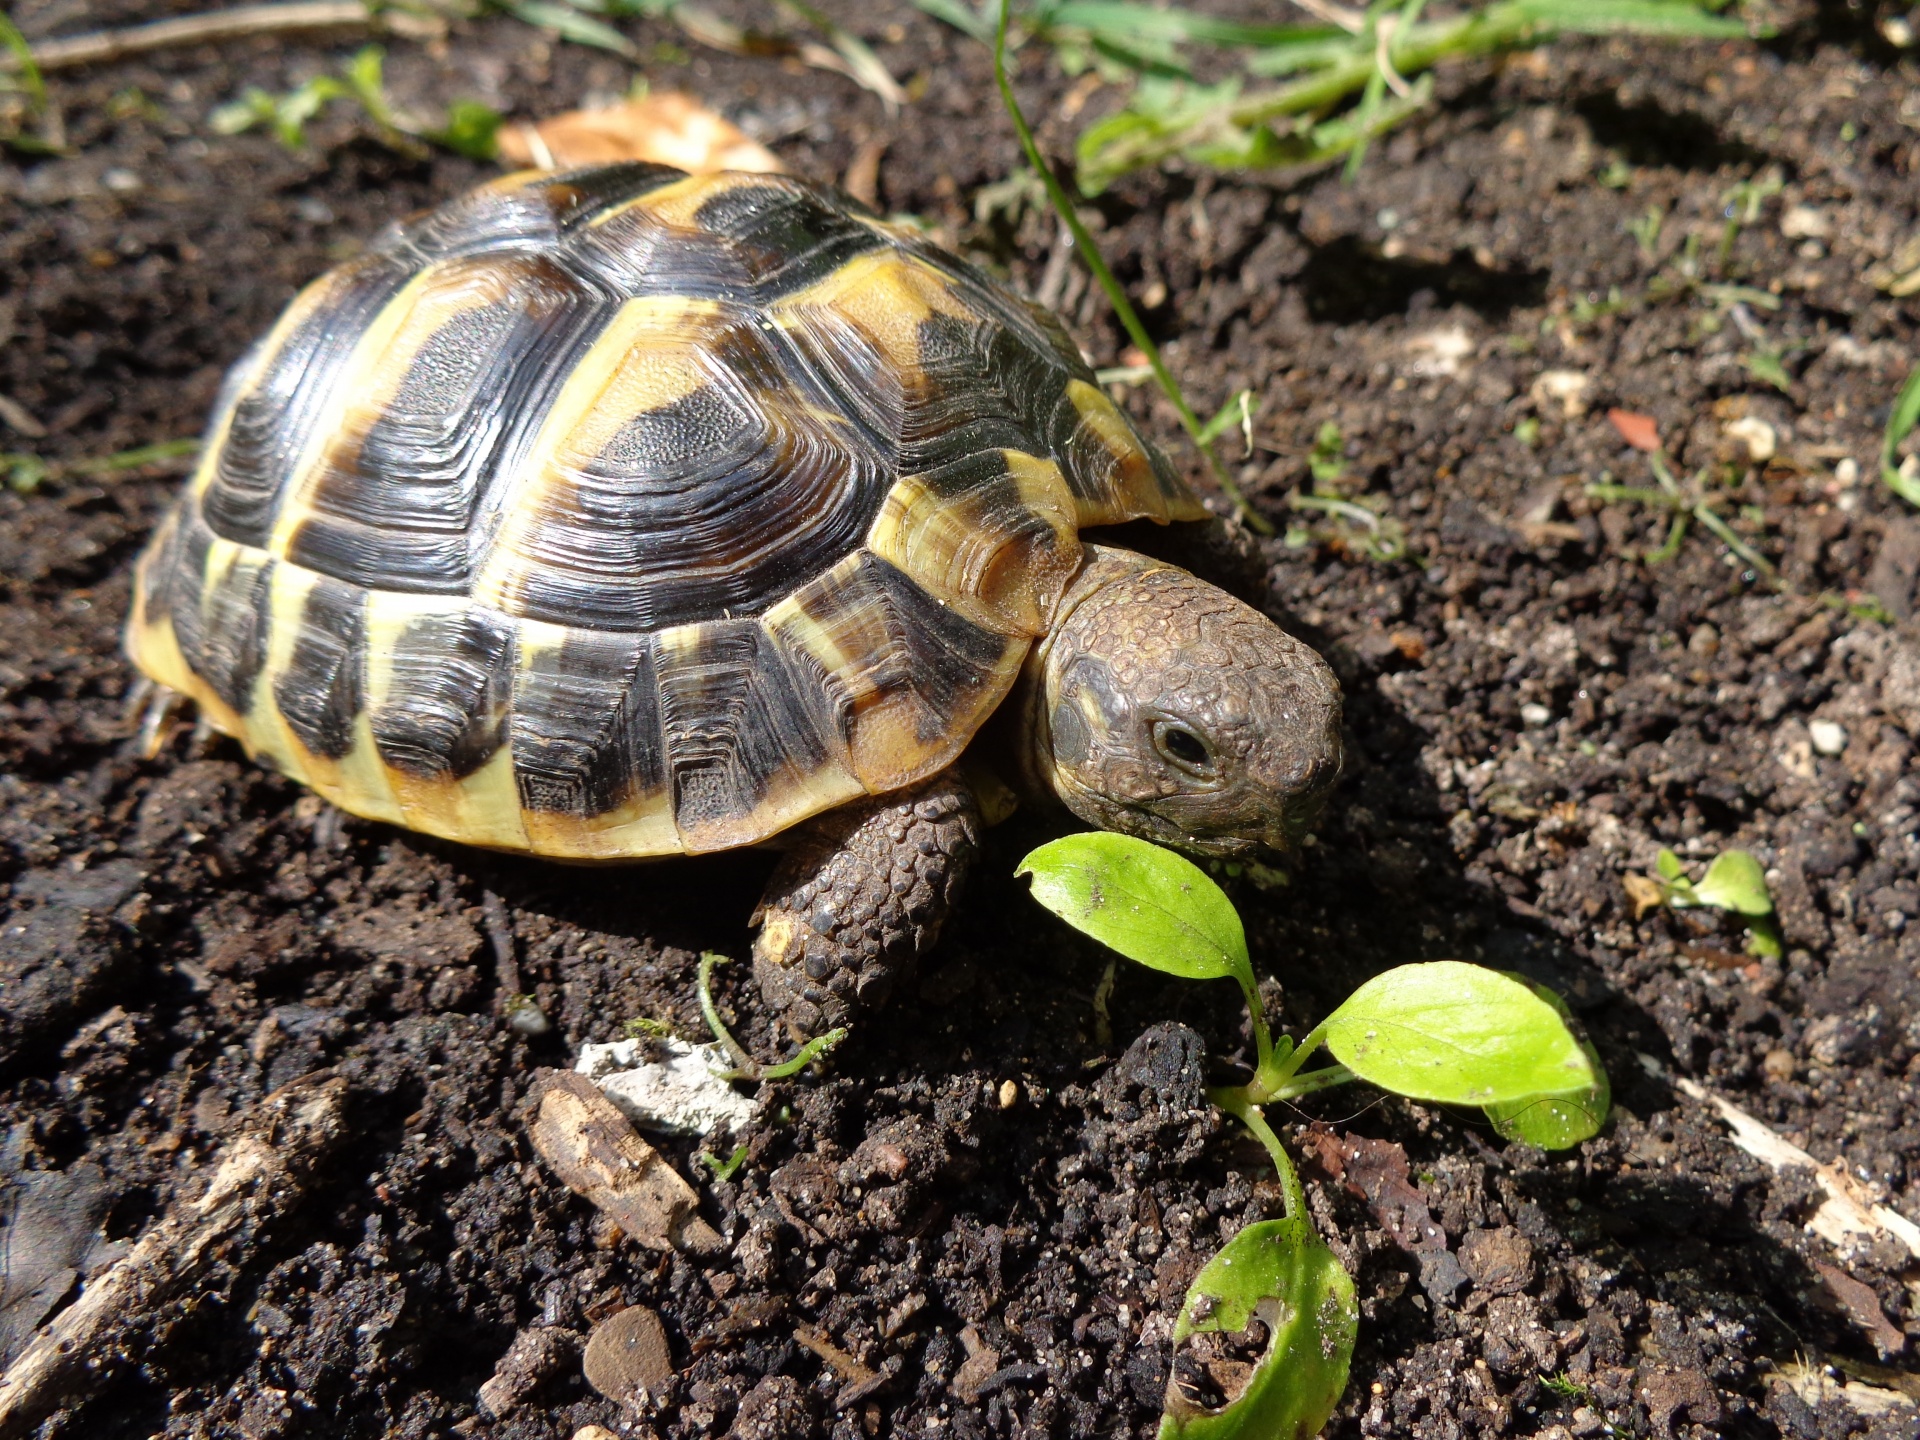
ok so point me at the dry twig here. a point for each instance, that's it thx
(258, 1179)
(237, 24)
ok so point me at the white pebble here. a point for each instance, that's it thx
(1829, 737)
(1758, 436)
(668, 1085)
(1536, 715)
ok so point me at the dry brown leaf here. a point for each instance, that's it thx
(664, 128)
(1642, 432)
(1645, 892)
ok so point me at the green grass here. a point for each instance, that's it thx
(1344, 79)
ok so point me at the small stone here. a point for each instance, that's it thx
(1778, 1065)
(1535, 714)
(775, 1409)
(627, 1357)
(669, 1085)
(1009, 1094)
(1499, 1262)
(1828, 736)
(1803, 222)
(1759, 437)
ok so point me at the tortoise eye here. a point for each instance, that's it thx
(1182, 747)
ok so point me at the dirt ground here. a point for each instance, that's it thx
(1532, 711)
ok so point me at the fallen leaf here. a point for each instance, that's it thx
(1639, 431)
(664, 128)
(1862, 1307)
(1645, 892)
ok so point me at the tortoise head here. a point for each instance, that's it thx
(1162, 707)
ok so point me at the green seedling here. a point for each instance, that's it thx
(470, 128)
(1096, 263)
(1271, 1320)
(1684, 505)
(26, 473)
(1359, 525)
(1346, 77)
(47, 137)
(1902, 477)
(1645, 229)
(1766, 365)
(746, 1067)
(725, 1169)
(1327, 461)
(1734, 882)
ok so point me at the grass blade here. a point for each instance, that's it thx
(1900, 424)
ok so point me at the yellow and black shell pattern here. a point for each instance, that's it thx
(621, 512)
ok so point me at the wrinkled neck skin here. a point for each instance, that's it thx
(1160, 706)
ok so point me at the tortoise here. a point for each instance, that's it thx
(619, 512)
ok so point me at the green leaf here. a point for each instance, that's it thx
(1154, 906)
(1669, 866)
(16, 44)
(1900, 424)
(1632, 17)
(1557, 1122)
(472, 129)
(1735, 882)
(1138, 23)
(571, 25)
(968, 22)
(1280, 1273)
(1456, 1034)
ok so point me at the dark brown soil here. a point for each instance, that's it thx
(1532, 712)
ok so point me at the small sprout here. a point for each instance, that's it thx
(24, 473)
(1328, 458)
(645, 1027)
(524, 1017)
(1734, 882)
(1766, 366)
(470, 128)
(1901, 420)
(1527, 431)
(726, 1169)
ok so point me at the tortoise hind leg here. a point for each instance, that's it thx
(859, 898)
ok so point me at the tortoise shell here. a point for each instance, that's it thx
(621, 512)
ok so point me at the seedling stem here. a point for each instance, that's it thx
(748, 1068)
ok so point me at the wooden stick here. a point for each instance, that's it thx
(259, 1177)
(238, 24)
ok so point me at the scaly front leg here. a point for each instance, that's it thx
(860, 897)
